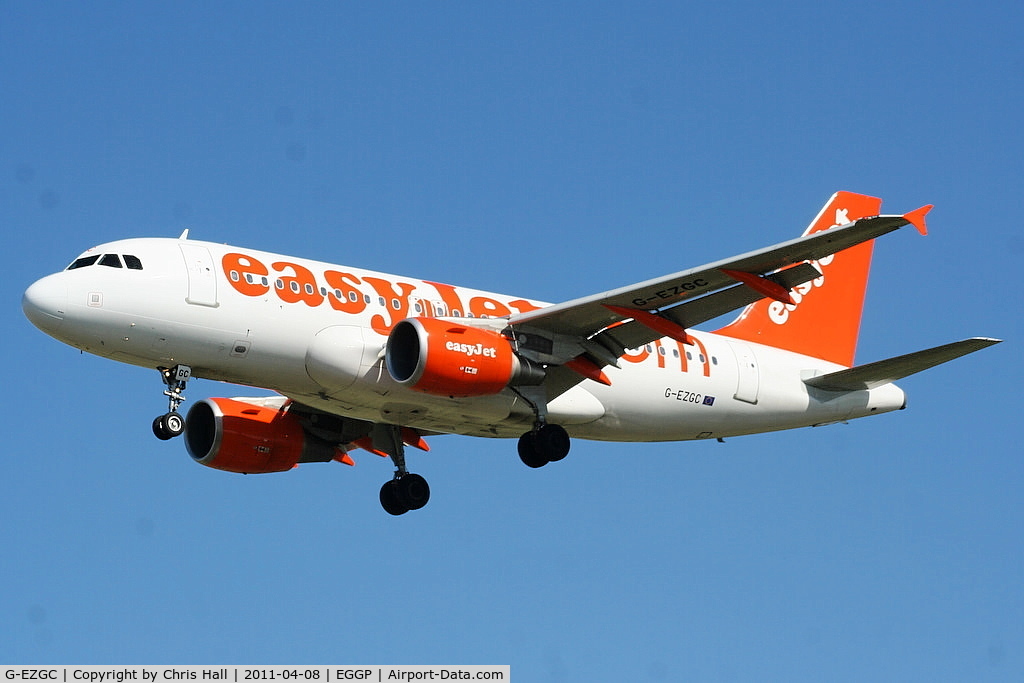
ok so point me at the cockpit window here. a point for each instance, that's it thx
(84, 261)
(110, 260)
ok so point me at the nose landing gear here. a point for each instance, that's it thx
(172, 424)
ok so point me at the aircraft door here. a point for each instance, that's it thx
(748, 380)
(202, 277)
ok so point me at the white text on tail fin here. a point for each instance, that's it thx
(824, 319)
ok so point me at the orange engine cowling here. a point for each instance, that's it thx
(448, 359)
(242, 437)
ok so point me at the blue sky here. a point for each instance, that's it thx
(549, 150)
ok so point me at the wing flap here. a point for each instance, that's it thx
(882, 372)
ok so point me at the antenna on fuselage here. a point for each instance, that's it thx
(184, 235)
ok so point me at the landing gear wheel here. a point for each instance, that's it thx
(413, 491)
(159, 430)
(174, 423)
(528, 452)
(549, 443)
(406, 493)
(553, 441)
(168, 426)
(389, 499)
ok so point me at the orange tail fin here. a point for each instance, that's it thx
(824, 321)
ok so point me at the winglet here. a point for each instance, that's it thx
(916, 218)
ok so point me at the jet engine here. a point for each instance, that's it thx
(250, 438)
(448, 359)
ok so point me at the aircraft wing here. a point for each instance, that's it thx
(599, 328)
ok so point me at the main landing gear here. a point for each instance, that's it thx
(545, 443)
(172, 424)
(406, 491)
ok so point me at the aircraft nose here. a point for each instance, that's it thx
(45, 301)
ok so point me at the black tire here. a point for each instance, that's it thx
(553, 442)
(389, 499)
(528, 452)
(160, 429)
(174, 424)
(413, 491)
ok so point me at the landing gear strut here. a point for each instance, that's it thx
(406, 491)
(172, 424)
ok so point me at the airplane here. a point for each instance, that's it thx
(373, 361)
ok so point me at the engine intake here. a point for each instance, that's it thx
(448, 359)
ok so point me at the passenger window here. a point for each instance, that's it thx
(84, 261)
(132, 262)
(111, 260)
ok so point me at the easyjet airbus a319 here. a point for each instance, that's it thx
(379, 362)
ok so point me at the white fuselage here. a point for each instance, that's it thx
(315, 332)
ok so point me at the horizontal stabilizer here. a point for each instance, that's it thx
(885, 371)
